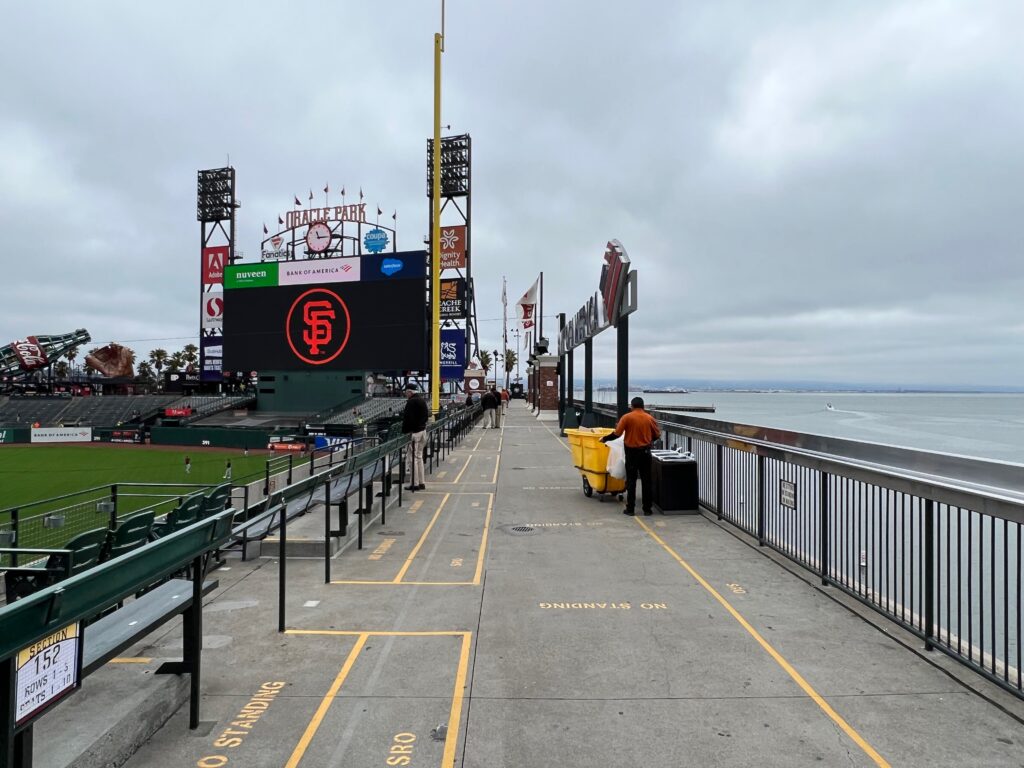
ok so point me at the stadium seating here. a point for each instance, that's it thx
(368, 411)
(83, 551)
(97, 411)
(25, 411)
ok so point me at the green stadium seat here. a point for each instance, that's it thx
(216, 500)
(82, 552)
(183, 515)
(131, 533)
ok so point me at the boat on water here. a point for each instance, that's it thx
(665, 391)
(828, 407)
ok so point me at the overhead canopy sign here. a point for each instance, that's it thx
(615, 298)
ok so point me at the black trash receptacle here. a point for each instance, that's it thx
(674, 483)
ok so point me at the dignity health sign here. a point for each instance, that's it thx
(62, 434)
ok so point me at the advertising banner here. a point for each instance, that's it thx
(213, 311)
(453, 354)
(453, 247)
(62, 434)
(394, 266)
(30, 353)
(453, 299)
(175, 381)
(211, 353)
(375, 325)
(126, 436)
(214, 261)
(322, 442)
(317, 271)
(178, 412)
(251, 276)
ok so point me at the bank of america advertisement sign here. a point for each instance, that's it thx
(62, 434)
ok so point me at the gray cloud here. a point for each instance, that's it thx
(808, 191)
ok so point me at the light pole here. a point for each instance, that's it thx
(435, 231)
(518, 377)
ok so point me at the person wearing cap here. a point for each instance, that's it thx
(640, 430)
(414, 424)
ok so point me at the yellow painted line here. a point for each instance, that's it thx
(325, 704)
(478, 441)
(563, 443)
(415, 507)
(442, 473)
(797, 677)
(416, 549)
(377, 633)
(497, 462)
(483, 541)
(464, 466)
(123, 660)
(411, 583)
(448, 759)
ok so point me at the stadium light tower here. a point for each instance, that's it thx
(435, 232)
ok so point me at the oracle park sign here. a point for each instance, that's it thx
(366, 312)
(615, 298)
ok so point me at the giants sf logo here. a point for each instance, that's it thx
(318, 326)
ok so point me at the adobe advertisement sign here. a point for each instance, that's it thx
(453, 354)
(453, 247)
(453, 299)
(215, 259)
(373, 325)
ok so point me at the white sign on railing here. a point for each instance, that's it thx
(47, 671)
(787, 494)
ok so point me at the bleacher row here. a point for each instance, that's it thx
(368, 411)
(106, 411)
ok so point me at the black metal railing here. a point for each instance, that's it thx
(930, 540)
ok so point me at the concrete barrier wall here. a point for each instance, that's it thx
(211, 436)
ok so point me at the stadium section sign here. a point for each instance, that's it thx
(62, 434)
(47, 671)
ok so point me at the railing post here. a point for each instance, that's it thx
(760, 500)
(16, 543)
(282, 569)
(401, 473)
(823, 528)
(718, 480)
(194, 629)
(291, 461)
(928, 564)
(327, 530)
(359, 511)
(113, 498)
(266, 482)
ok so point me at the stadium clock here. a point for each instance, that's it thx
(318, 237)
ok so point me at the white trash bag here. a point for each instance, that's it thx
(617, 457)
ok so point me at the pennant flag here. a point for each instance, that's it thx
(394, 216)
(311, 195)
(342, 193)
(526, 307)
(327, 189)
(379, 211)
(265, 230)
(297, 200)
(280, 221)
(360, 194)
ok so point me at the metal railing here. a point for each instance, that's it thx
(932, 541)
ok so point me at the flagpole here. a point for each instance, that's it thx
(504, 326)
(435, 236)
(540, 318)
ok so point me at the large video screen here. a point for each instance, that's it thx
(378, 325)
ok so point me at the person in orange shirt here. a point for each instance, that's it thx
(640, 430)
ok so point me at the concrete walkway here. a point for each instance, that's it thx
(541, 628)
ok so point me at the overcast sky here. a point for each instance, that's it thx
(808, 190)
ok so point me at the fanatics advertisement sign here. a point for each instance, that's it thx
(374, 325)
(62, 434)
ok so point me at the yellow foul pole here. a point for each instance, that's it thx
(435, 239)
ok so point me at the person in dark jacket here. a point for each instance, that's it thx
(489, 402)
(414, 424)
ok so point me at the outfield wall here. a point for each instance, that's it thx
(15, 435)
(210, 436)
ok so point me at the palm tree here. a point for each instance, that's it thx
(145, 370)
(485, 361)
(176, 362)
(158, 357)
(60, 369)
(71, 354)
(190, 354)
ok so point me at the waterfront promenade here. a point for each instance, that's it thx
(541, 628)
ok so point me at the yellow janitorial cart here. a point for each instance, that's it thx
(590, 457)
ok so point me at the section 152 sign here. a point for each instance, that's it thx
(453, 299)
(453, 353)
